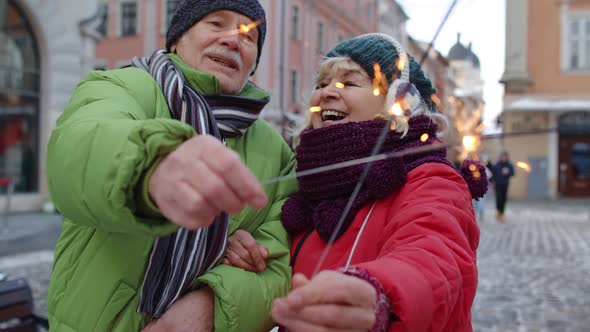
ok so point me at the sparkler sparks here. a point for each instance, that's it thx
(396, 109)
(379, 82)
(244, 28)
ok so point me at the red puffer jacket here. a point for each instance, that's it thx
(420, 243)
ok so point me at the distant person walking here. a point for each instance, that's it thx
(502, 171)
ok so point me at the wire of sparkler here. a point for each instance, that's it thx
(355, 193)
(360, 161)
(440, 27)
(383, 156)
(376, 149)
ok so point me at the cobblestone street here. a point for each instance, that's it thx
(534, 269)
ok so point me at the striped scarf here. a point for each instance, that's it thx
(178, 259)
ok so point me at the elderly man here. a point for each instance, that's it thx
(147, 162)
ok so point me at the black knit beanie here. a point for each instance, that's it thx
(189, 12)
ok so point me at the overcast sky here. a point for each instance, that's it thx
(481, 22)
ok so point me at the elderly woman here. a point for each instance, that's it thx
(405, 256)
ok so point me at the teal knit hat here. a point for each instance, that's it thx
(369, 49)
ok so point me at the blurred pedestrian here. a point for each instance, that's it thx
(502, 171)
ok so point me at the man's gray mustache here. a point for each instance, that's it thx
(222, 53)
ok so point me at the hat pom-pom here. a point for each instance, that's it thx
(406, 95)
(475, 175)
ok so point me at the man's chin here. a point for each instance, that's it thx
(229, 87)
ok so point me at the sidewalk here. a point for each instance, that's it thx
(28, 232)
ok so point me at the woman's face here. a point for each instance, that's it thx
(344, 95)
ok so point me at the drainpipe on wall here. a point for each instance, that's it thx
(282, 98)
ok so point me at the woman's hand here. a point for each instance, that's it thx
(331, 301)
(243, 252)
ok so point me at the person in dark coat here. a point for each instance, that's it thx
(502, 171)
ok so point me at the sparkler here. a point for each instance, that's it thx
(244, 28)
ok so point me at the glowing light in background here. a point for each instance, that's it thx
(424, 137)
(315, 109)
(526, 167)
(469, 143)
(339, 85)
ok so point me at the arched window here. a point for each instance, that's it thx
(19, 99)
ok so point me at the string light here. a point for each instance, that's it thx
(339, 85)
(424, 137)
(315, 109)
(376, 92)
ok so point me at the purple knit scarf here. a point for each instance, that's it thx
(322, 197)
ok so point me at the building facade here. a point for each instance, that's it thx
(46, 46)
(546, 115)
(299, 32)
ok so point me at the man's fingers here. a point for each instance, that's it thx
(248, 242)
(227, 164)
(214, 189)
(236, 261)
(188, 208)
(263, 251)
(235, 246)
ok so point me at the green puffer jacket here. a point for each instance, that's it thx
(113, 132)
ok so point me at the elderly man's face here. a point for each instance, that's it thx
(224, 43)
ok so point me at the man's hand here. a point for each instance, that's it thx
(193, 312)
(200, 179)
(243, 252)
(331, 301)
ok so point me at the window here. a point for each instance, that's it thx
(20, 77)
(103, 16)
(294, 84)
(581, 161)
(295, 23)
(170, 9)
(128, 19)
(320, 47)
(579, 43)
